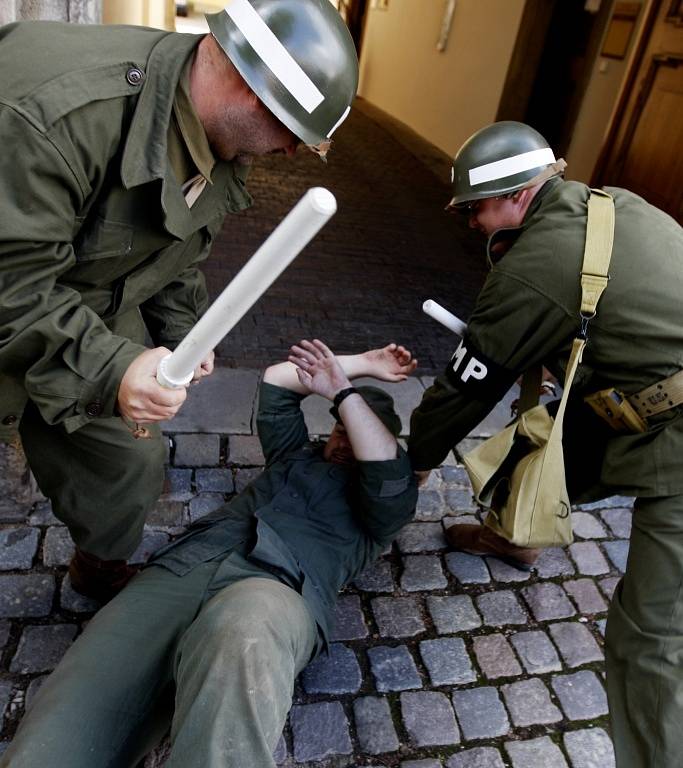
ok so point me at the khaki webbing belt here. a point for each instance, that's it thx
(659, 397)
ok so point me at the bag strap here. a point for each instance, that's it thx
(597, 254)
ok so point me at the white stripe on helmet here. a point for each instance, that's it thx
(340, 121)
(273, 54)
(508, 166)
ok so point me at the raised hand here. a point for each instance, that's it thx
(391, 363)
(317, 368)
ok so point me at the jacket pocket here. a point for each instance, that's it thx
(103, 239)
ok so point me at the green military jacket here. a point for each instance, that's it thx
(528, 313)
(314, 524)
(95, 231)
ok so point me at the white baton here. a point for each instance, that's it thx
(443, 316)
(289, 238)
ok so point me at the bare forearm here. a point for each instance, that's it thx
(284, 374)
(370, 439)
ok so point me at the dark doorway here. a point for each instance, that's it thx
(353, 13)
(551, 65)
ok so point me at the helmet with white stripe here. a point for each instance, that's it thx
(297, 56)
(499, 159)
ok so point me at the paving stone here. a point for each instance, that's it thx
(601, 624)
(334, 673)
(397, 616)
(553, 562)
(42, 514)
(495, 657)
(611, 502)
(588, 558)
(617, 551)
(18, 547)
(479, 757)
(245, 476)
(505, 573)
(453, 614)
(167, 513)
(197, 450)
(586, 526)
(581, 695)
(214, 480)
(586, 596)
(608, 585)
(455, 476)
(459, 500)
(58, 546)
(33, 687)
(447, 661)
(40, 648)
(421, 537)
(73, 601)
(427, 763)
(576, 644)
(421, 573)
(548, 601)
(463, 519)
(535, 753)
(26, 595)
(245, 450)
(480, 713)
(13, 511)
(393, 669)
(151, 541)
(376, 578)
(5, 694)
(374, 725)
(319, 731)
(204, 504)
(589, 748)
(349, 622)
(429, 719)
(4, 634)
(528, 702)
(619, 521)
(430, 506)
(467, 569)
(178, 484)
(499, 608)
(537, 653)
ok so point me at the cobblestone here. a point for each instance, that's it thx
(467, 569)
(430, 506)
(397, 616)
(319, 731)
(335, 673)
(537, 653)
(576, 644)
(619, 521)
(178, 484)
(548, 601)
(586, 526)
(479, 757)
(26, 595)
(495, 657)
(588, 558)
(453, 614)
(447, 661)
(245, 450)
(243, 477)
(374, 726)
(428, 718)
(420, 537)
(586, 596)
(480, 713)
(500, 608)
(459, 500)
(393, 669)
(42, 514)
(349, 622)
(18, 547)
(204, 504)
(422, 573)
(40, 648)
(528, 702)
(214, 481)
(535, 753)
(617, 551)
(581, 695)
(376, 578)
(589, 748)
(608, 585)
(197, 450)
(58, 546)
(553, 562)
(505, 573)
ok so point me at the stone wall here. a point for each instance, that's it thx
(77, 11)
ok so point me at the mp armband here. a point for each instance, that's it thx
(476, 375)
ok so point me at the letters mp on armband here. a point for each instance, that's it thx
(476, 375)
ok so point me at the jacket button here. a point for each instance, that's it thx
(9, 420)
(94, 408)
(134, 76)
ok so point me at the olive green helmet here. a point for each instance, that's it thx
(297, 56)
(499, 159)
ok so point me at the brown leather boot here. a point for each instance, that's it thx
(99, 579)
(481, 540)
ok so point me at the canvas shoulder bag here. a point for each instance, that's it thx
(518, 474)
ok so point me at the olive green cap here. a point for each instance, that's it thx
(297, 56)
(382, 406)
(501, 158)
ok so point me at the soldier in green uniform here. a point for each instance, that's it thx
(221, 622)
(508, 183)
(124, 148)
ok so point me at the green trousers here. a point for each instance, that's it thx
(101, 481)
(215, 664)
(645, 641)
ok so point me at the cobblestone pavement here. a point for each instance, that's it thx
(439, 659)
